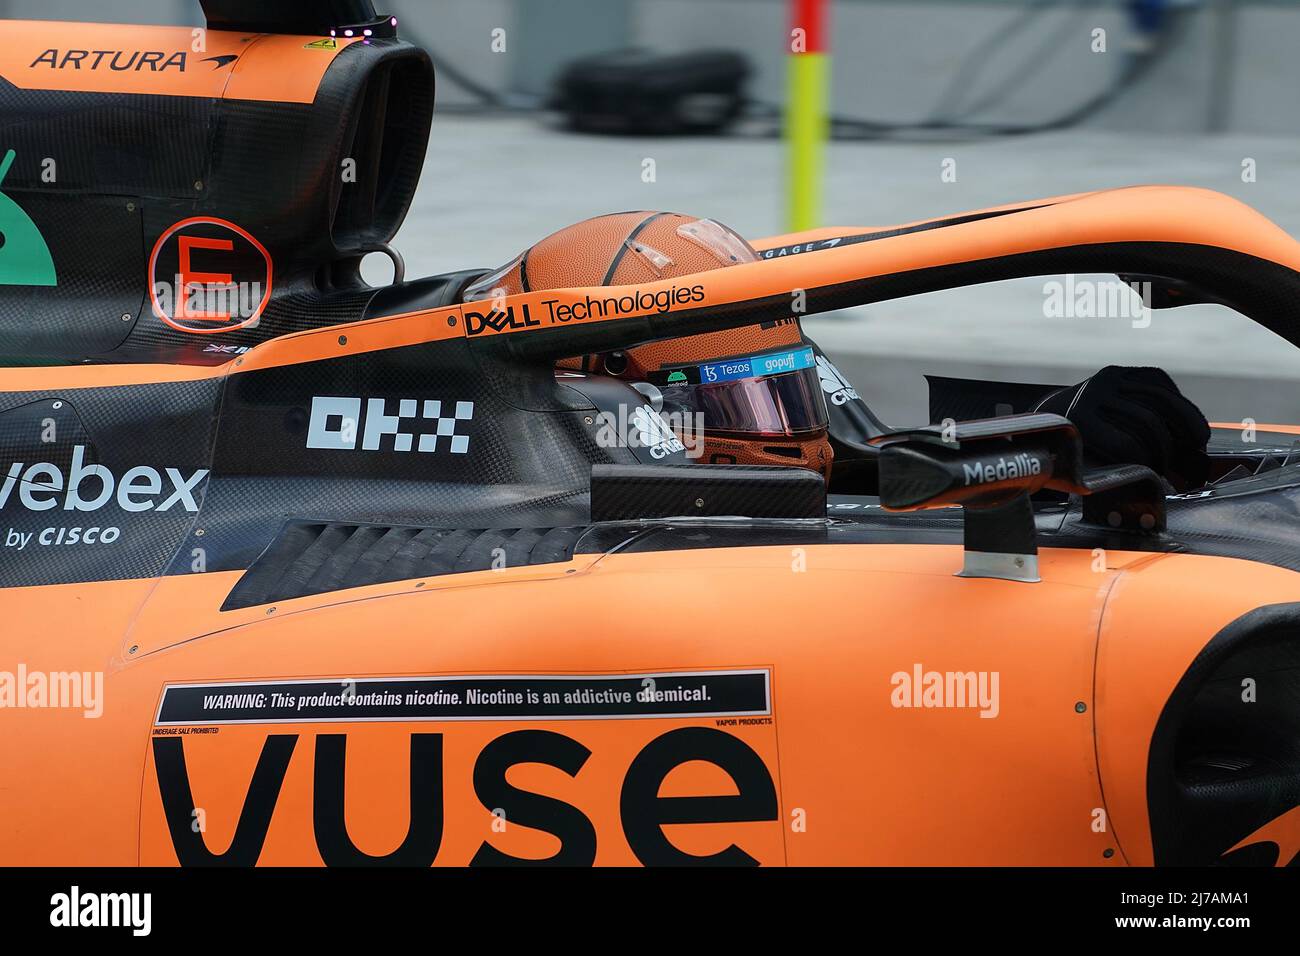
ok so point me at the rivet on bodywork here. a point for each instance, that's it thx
(1080, 707)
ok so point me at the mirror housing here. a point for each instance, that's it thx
(980, 464)
(990, 468)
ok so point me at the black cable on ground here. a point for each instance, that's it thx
(1033, 63)
(963, 78)
(1135, 67)
(852, 128)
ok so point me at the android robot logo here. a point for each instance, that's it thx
(24, 256)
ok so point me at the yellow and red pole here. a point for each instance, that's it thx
(806, 122)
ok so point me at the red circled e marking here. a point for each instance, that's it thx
(209, 277)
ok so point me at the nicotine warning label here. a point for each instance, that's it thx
(733, 693)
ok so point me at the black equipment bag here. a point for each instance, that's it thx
(640, 92)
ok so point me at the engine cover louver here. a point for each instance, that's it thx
(313, 557)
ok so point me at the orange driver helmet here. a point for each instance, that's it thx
(754, 390)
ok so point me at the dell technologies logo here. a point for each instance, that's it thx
(337, 422)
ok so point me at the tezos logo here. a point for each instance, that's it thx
(337, 421)
(90, 487)
(834, 384)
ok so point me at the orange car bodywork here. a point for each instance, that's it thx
(51, 55)
(1085, 660)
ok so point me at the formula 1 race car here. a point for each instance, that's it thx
(325, 573)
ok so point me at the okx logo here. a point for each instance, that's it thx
(337, 422)
(24, 256)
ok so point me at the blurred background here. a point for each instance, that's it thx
(938, 106)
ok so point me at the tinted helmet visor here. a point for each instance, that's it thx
(777, 394)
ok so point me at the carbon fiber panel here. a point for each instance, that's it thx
(623, 492)
(313, 557)
(101, 483)
(108, 178)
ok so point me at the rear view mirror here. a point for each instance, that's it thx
(991, 467)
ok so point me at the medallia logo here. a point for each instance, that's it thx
(834, 384)
(1003, 469)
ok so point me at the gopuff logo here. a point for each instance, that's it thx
(835, 385)
(90, 487)
(336, 423)
(653, 432)
(498, 321)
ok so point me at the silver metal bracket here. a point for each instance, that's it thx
(1006, 567)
